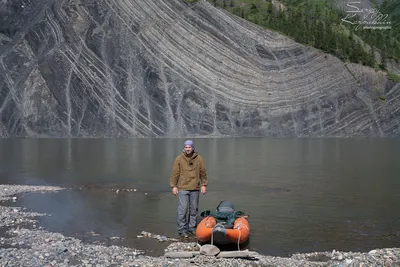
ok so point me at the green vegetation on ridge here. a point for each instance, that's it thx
(318, 23)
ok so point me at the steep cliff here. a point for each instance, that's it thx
(164, 68)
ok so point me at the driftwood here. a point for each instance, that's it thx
(237, 254)
(181, 254)
(222, 254)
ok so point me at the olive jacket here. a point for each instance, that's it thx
(188, 173)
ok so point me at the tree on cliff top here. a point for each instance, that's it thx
(320, 24)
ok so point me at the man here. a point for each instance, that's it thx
(187, 180)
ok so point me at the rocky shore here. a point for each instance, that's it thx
(24, 243)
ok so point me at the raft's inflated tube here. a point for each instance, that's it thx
(208, 227)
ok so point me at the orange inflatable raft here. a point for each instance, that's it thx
(213, 229)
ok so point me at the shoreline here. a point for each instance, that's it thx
(24, 243)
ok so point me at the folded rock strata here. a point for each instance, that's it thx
(164, 68)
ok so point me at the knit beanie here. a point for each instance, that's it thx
(189, 143)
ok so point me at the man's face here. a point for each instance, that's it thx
(188, 149)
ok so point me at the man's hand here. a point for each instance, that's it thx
(203, 189)
(175, 190)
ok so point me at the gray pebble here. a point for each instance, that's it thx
(43, 248)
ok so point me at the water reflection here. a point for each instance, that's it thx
(301, 194)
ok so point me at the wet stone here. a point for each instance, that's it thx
(39, 247)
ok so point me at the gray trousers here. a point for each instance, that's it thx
(188, 205)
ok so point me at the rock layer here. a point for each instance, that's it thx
(165, 68)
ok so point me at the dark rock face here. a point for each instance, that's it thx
(162, 68)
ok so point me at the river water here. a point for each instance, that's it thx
(302, 195)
